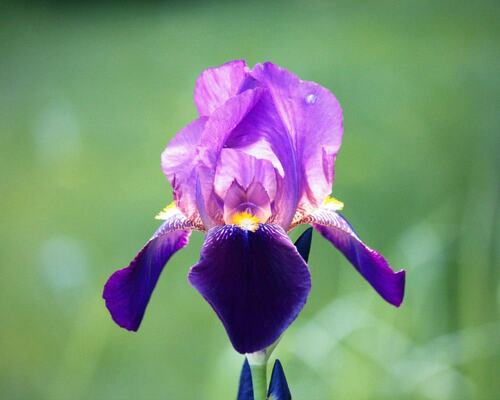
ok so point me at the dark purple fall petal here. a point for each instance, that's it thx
(128, 290)
(278, 387)
(370, 264)
(256, 282)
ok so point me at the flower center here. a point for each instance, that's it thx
(245, 220)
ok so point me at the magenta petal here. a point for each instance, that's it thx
(128, 290)
(313, 119)
(190, 159)
(370, 264)
(245, 169)
(216, 85)
(227, 117)
(256, 282)
(218, 127)
(180, 162)
(253, 199)
(262, 134)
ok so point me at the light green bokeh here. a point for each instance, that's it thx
(90, 95)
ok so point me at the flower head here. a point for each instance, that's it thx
(256, 163)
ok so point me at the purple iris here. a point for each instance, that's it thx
(257, 162)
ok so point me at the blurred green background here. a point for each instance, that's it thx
(91, 93)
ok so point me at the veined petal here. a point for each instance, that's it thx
(190, 159)
(269, 114)
(256, 282)
(227, 117)
(313, 119)
(370, 264)
(128, 290)
(262, 134)
(218, 127)
(245, 169)
(180, 161)
(254, 200)
(216, 85)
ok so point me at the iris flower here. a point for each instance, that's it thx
(256, 163)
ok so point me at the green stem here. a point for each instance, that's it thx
(258, 367)
(259, 381)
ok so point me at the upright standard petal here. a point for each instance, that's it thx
(216, 130)
(245, 169)
(262, 134)
(128, 290)
(216, 85)
(180, 162)
(256, 282)
(313, 118)
(254, 200)
(370, 264)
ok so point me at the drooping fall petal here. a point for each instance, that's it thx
(256, 282)
(128, 290)
(369, 263)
